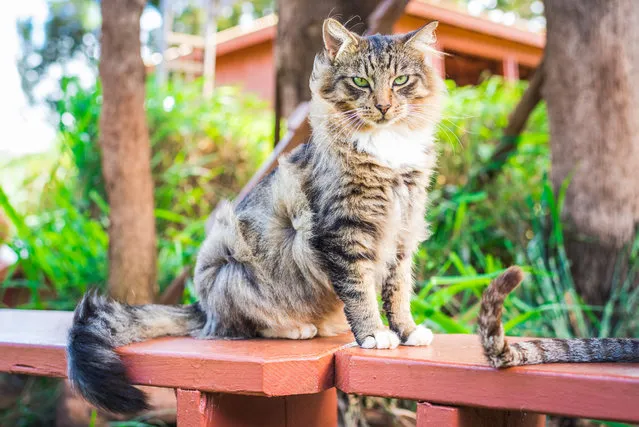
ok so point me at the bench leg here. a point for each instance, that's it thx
(446, 416)
(198, 409)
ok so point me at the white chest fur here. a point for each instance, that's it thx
(396, 147)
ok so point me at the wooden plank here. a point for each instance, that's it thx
(198, 409)
(453, 371)
(510, 68)
(261, 30)
(191, 409)
(312, 410)
(33, 342)
(468, 22)
(436, 416)
(183, 38)
(184, 65)
(429, 415)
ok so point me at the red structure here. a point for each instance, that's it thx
(276, 383)
(474, 46)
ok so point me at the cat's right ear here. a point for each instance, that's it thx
(337, 38)
(423, 38)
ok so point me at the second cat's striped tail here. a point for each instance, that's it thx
(502, 354)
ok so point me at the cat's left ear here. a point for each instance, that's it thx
(337, 38)
(424, 38)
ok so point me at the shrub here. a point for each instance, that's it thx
(202, 151)
(515, 219)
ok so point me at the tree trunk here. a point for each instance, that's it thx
(299, 38)
(126, 154)
(592, 91)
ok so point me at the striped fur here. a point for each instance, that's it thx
(307, 249)
(99, 326)
(502, 354)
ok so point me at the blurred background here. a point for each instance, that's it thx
(158, 110)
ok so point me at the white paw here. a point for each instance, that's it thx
(381, 339)
(419, 337)
(302, 332)
(306, 332)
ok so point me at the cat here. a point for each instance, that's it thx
(501, 354)
(304, 253)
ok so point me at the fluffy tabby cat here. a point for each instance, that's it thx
(501, 354)
(303, 253)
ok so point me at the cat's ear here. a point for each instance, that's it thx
(337, 38)
(424, 38)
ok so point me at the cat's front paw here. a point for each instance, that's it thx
(383, 338)
(419, 337)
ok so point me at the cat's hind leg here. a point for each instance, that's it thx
(334, 323)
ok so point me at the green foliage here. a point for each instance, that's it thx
(475, 234)
(70, 33)
(191, 18)
(72, 29)
(202, 151)
(37, 392)
(513, 220)
(205, 150)
(494, 219)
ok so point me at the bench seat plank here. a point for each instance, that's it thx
(32, 342)
(453, 371)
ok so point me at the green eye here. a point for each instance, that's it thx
(361, 82)
(400, 80)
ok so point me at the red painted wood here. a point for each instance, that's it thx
(463, 20)
(510, 68)
(436, 416)
(453, 371)
(429, 415)
(245, 57)
(191, 409)
(32, 342)
(197, 409)
(312, 410)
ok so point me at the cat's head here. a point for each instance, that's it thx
(375, 82)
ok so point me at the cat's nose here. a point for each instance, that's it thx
(383, 108)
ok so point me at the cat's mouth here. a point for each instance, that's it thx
(386, 121)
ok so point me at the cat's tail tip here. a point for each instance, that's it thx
(94, 368)
(507, 281)
(491, 330)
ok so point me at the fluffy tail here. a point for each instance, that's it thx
(99, 326)
(501, 354)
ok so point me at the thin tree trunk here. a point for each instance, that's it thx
(592, 91)
(126, 153)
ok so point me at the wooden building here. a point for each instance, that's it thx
(475, 45)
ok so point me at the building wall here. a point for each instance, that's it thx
(470, 54)
(252, 68)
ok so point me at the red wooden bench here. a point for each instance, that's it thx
(292, 383)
